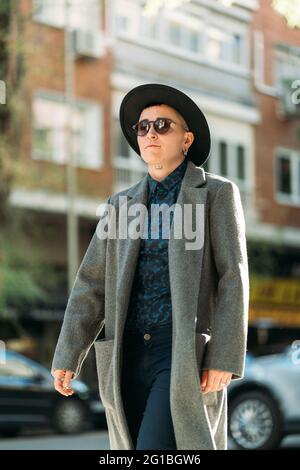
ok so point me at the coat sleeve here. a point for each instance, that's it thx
(84, 314)
(227, 348)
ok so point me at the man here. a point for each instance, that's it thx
(207, 295)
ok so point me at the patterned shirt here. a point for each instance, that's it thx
(150, 301)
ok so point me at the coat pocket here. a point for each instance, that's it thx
(104, 363)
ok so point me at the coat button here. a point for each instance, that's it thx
(147, 336)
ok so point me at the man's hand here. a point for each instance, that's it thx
(212, 380)
(62, 380)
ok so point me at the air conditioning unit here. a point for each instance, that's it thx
(88, 43)
(290, 98)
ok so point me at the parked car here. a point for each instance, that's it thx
(17, 339)
(28, 399)
(264, 406)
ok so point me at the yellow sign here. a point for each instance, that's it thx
(285, 292)
(277, 299)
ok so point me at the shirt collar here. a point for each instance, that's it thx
(170, 180)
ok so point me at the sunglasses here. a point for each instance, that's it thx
(161, 126)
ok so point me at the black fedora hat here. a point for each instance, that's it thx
(155, 93)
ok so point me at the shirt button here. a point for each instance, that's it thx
(147, 336)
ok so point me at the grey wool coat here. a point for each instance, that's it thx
(210, 297)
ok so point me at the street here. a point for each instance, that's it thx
(94, 440)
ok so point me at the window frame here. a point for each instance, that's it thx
(164, 45)
(232, 159)
(56, 97)
(93, 24)
(294, 155)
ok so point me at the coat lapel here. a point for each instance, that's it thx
(129, 248)
(184, 263)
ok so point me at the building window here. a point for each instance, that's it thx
(149, 27)
(223, 46)
(223, 158)
(123, 23)
(241, 162)
(182, 31)
(284, 175)
(236, 47)
(127, 18)
(192, 40)
(50, 119)
(80, 16)
(175, 33)
(122, 147)
(288, 176)
(184, 36)
(286, 65)
(228, 158)
(43, 11)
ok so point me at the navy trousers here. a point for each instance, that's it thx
(146, 376)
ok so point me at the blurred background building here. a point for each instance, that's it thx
(67, 65)
(276, 66)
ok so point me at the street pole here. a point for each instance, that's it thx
(72, 221)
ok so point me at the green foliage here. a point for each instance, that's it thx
(20, 271)
(266, 260)
(21, 268)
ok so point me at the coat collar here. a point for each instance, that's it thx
(194, 177)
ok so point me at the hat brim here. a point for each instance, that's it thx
(144, 95)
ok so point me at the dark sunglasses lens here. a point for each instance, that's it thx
(142, 127)
(162, 126)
